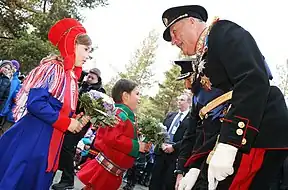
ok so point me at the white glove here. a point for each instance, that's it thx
(188, 181)
(221, 164)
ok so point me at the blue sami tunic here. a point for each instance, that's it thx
(30, 148)
(24, 147)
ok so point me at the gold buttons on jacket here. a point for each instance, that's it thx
(239, 132)
(241, 124)
(244, 141)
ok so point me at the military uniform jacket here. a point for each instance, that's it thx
(257, 116)
(187, 143)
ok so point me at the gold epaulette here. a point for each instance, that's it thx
(214, 103)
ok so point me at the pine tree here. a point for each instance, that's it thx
(169, 90)
(139, 68)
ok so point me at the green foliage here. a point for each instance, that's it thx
(96, 110)
(22, 49)
(139, 68)
(169, 90)
(24, 26)
(151, 130)
(108, 86)
(148, 108)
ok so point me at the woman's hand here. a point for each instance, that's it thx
(84, 120)
(75, 126)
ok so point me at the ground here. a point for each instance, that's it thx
(79, 185)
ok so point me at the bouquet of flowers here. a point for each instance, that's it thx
(99, 107)
(151, 130)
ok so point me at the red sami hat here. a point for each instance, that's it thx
(64, 33)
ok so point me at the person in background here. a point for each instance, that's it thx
(84, 146)
(147, 172)
(93, 81)
(21, 78)
(6, 71)
(133, 174)
(84, 152)
(82, 77)
(166, 155)
(141, 171)
(15, 86)
(189, 137)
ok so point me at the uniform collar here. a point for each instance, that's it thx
(202, 43)
(127, 111)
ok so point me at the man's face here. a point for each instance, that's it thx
(183, 35)
(183, 102)
(187, 82)
(92, 78)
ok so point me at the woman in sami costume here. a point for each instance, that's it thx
(30, 149)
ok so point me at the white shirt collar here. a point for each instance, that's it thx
(184, 113)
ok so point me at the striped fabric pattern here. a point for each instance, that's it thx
(49, 74)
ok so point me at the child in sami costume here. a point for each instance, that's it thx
(30, 149)
(118, 145)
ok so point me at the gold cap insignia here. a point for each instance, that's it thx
(165, 20)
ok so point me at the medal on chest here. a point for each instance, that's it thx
(198, 64)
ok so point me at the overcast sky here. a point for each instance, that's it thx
(119, 28)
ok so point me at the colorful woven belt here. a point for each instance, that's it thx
(109, 165)
(92, 153)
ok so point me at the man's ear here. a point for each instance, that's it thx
(192, 20)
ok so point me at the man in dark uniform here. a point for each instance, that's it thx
(165, 156)
(185, 150)
(189, 136)
(230, 80)
(200, 136)
(66, 164)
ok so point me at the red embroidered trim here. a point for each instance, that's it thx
(227, 120)
(195, 157)
(248, 123)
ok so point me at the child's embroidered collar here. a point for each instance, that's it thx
(127, 111)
